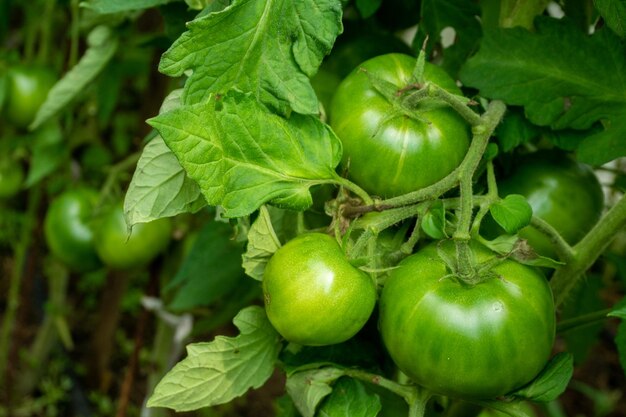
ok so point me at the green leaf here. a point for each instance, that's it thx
(614, 14)
(515, 130)
(619, 310)
(160, 187)
(434, 221)
(460, 15)
(116, 6)
(512, 213)
(262, 243)
(49, 152)
(507, 408)
(349, 398)
(269, 47)
(551, 381)
(308, 388)
(211, 270)
(503, 244)
(101, 46)
(563, 78)
(243, 156)
(367, 8)
(217, 372)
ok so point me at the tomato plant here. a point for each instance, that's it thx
(122, 248)
(310, 277)
(68, 229)
(27, 89)
(561, 191)
(478, 340)
(413, 149)
(11, 177)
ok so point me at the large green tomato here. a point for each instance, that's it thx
(473, 342)
(313, 295)
(27, 89)
(122, 249)
(11, 177)
(392, 152)
(564, 193)
(67, 229)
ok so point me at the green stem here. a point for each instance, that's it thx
(114, 172)
(15, 284)
(458, 103)
(582, 321)
(45, 21)
(588, 250)
(75, 33)
(407, 392)
(349, 185)
(563, 249)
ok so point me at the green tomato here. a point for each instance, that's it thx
(561, 191)
(313, 295)
(27, 89)
(119, 248)
(11, 177)
(388, 151)
(473, 342)
(67, 229)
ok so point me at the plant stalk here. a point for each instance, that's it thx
(587, 251)
(582, 321)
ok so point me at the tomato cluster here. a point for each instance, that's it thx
(477, 338)
(84, 239)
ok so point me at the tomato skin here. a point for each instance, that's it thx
(393, 156)
(120, 250)
(27, 89)
(475, 342)
(67, 229)
(313, 295)
(11, 178)
(561, 191)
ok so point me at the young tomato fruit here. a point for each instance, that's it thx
(122, 249)
(67, 229)
(468, 341)
(313, 295)
(564, 193)
(388, 149)
(27, 89)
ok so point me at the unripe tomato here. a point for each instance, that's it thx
(11, 177)
(391, 152)
(313, 295)
(67, 229)
(122, 249)
(27, 89)
(561, 191)
(473, 342)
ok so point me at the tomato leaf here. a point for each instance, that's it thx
(620, 341)
(214, 250)
(49, 151)
(619, 310)
(216, 372)
(434, 221)
(563, 78)
(116, 6)
(459, 15)
(349, 398)
(512, 213)
(515, 130)
(262, 243)
(160, 187)
(102, 43)
(268, 47)
(368, 7)
(614, 14)
(308, 388)
(242, 156)
(551, 381)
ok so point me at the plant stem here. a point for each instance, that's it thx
(19, 261)
(458, 103)
(408, 392)
(563, 249)
(588, 250)
(349, 185)
(122, 166)
(75, 33)
(46, 30)
(582, 321)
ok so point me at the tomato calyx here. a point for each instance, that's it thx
(463, 265)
